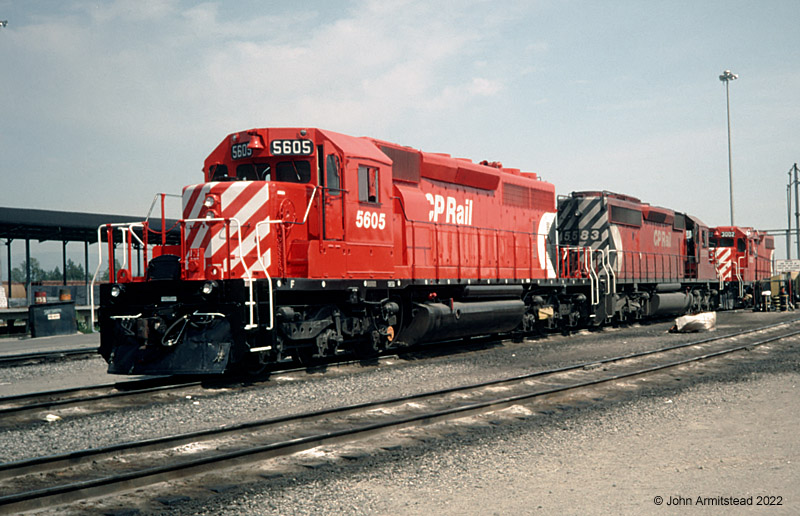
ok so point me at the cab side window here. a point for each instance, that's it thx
(368, 184)
(332, 169)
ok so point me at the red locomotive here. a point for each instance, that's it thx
(307, 243)
(740, 257)
(645, 260)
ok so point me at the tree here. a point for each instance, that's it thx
(54, 275)
(117, 265)
(37, 273)
(74, 271)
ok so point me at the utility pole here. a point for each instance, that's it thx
(789, 217)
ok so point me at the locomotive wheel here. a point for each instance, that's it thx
(372, 345)
(305, 356)
(325, 345)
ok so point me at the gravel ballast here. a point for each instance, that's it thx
(728, 433)
(697, 447)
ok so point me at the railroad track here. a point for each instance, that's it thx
(60, 479)
(47, 356)
(22, 409)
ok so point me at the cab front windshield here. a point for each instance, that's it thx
(286, 171)
(729, 242)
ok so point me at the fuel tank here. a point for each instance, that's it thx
(441, 321)
(669, 303)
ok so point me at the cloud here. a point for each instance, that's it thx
(148, 62)
(147, 89)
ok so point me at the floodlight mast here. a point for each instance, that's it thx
(727, 77)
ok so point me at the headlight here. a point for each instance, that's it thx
(209, 287)
(209, 202)
(116, 290)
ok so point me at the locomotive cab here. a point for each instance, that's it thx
(278, 209)
(312, 203)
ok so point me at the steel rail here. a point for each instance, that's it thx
(46, 355)
(29, 402)
(65, 401)
(145, 390)
(71, 492)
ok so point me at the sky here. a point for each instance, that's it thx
(108, 103)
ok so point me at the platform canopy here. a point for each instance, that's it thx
(60, 226)
(68, 226)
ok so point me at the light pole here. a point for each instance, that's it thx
(727, 77)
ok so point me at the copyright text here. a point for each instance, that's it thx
(705, 501)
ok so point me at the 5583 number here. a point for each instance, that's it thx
(370, 219)
(576, 236)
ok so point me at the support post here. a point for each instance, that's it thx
(8, 250)
(64, 262)
(8, 295)
(86, 270)
(28, 292)
(796, 207)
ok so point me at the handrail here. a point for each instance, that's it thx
(266, 271)
(155, 197)
(594, 286)
(305, 216)
(308, 208)
(109, 228)
(611, 268)
(739, 276)
(163, 214)
(248, 278)
(265, 267)
(604, 257)
(584, 256)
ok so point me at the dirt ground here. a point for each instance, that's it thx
(733, 441)
(720, 441)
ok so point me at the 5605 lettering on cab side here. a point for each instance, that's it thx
(305, 243)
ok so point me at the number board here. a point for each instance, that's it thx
(291, 147)
(241, 150)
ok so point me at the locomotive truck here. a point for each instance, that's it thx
(305, 243)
